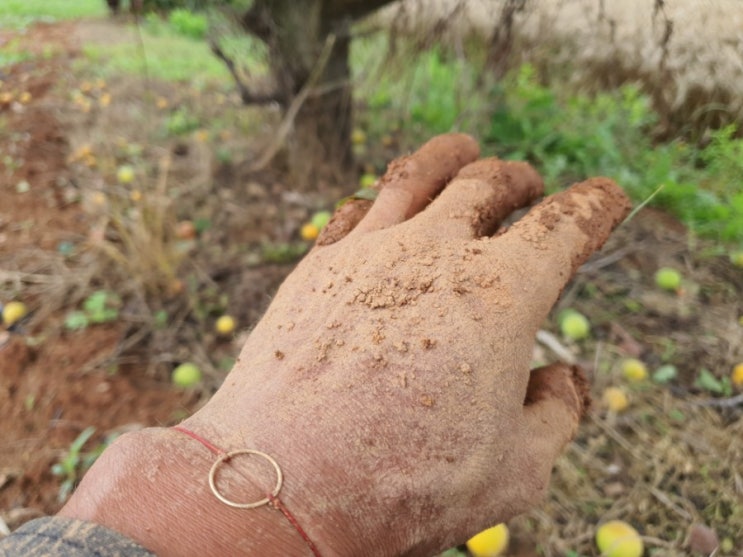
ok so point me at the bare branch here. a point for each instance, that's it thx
(728, 402)
(355, 9)
(247, 96)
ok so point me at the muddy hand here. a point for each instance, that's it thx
(390, 376)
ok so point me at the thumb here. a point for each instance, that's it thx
(556, 399)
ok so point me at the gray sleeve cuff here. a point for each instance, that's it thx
(58, 537)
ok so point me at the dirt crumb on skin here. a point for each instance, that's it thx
(579, 202)
(428, 343)
(426, 400)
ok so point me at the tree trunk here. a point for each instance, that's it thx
(320, 148)
(297, 33)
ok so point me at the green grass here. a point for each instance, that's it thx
(568, 135)
(154, 58)
(160, 39)
(426, 92)
(18, 14)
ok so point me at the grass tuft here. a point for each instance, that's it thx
(19, 14)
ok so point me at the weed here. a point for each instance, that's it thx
(74, 463)
(99, 307)
(181, 122)
(706, 380)
(19, 14)
(12, 54)
(188, 24)
(196, 64)
(569, 138)
(575, 136)
(137, 232)
(431, 91)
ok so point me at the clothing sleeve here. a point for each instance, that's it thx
(65, 537)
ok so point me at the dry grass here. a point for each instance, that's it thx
(663, 466)
(135, 230)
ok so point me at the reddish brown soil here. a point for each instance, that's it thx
(46, 396)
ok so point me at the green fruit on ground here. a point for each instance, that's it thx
(575, 325)
(14, 312)
(321, 218)
(615, 399)
(668, 279)
(634, 370)
(367, 180)
(125, 174)
(618, 539)
(736, 258)
(186, 375)
(489, 543)
(358, 136)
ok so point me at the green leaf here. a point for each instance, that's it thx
(96, 302)
(677, 415)
(709, 382)
(81, 439)
(161, 319)
(76, 320)
(665, 374)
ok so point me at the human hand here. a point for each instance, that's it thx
(390, 376)
(391, 372)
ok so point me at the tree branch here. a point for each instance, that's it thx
(246, 95)
(354, 9)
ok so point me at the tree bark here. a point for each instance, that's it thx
(297, 32)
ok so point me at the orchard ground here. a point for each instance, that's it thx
(69, 229)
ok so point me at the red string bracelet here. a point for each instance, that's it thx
(271, 497)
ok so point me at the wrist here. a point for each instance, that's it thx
(152, 486)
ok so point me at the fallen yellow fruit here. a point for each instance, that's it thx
(309, 232)
(225, 325)
(14, 312)
(489, 543)
(615, 399)
(186, 375)
(125, 174)
(618, 539)
(737, 376)
(358, 136)
(634, 370)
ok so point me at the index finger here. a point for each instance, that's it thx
(548, 244)
(407, 187)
